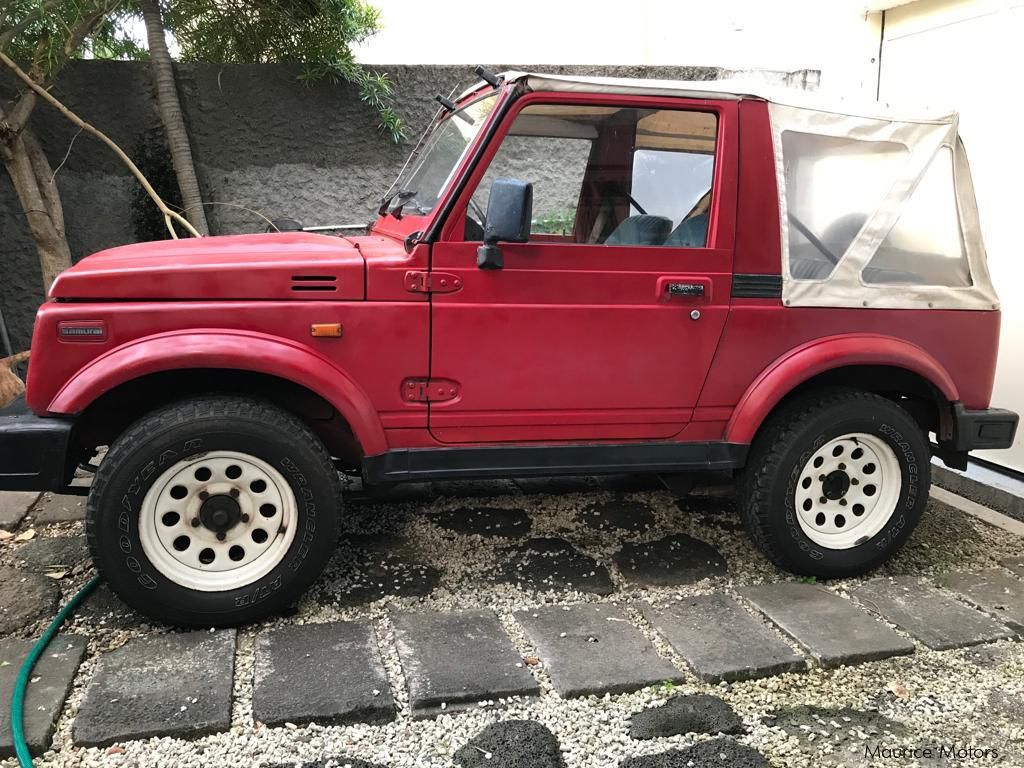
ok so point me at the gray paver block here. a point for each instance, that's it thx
(668, 562)
(485, 521)
(593, 649)
(993, 590)
(722, 641)
(54, 552)
(323, 673)
(545, 564)
(57, 508)
(458, 659)
(55, 671)
(832, 629)
(512, 744)
(937, 620)
(25, 598)
(14, 505)
(164, 685)
(1015, 564)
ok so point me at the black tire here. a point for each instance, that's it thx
(788, 440)
(189, 429)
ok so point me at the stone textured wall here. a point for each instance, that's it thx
(262, 140)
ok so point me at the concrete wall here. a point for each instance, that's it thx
(262, 140)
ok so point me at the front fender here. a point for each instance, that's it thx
(821, 355)
(240, 350)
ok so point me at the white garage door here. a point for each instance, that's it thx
(969, 54)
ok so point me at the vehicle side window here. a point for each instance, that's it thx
(555, 165)
(608, 175)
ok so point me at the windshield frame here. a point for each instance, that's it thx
(429, 223)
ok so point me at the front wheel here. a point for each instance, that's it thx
(213, 511)
(835, 483)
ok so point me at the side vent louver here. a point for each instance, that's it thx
(314, 283)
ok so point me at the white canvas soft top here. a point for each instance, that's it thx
(877, 204)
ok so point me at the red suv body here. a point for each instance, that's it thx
(640, 323)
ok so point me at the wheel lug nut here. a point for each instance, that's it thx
(245, 518)
(854, 481)
(823, 500)
(842, 466)
(842, 502)
(221, 535)
(234, 492)
(822, 478)
(195, 522)
(204, 495)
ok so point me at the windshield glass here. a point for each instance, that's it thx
(427, 176)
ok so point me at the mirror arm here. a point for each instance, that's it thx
(489, 256)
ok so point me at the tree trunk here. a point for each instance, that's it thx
(172, 118)
(33, 181)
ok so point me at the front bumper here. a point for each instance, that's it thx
(992, 428)
(34, 453)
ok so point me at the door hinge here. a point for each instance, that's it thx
(429, 390)
(432, 282)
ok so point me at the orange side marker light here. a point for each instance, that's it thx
(326, 330)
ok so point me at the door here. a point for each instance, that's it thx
(602, 326)
(924, 50)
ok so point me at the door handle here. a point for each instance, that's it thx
(685, 289)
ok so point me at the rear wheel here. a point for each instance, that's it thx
(213, 511)
(835, 483)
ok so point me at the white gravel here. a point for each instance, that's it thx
(971, 697)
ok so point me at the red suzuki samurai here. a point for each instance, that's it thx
(570, 276)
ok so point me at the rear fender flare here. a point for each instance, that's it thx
(821, 355)
(240, 350)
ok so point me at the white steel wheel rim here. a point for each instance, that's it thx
(198, 539)
(848, 490)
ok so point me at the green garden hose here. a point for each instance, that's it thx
(25, 673)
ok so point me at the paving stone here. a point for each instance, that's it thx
(511, 744)
(720, 640)
(328, 762)
(56, 508)
(164, 685)
(557, 485)
(1015, 564)
(618, 514)
(105, 609)
(713, 753)
(593, 649)
(323, 673)
(553, 564)
(25, 598)
(54, 552)
(699, 713)
(832, 736)
(51, 682)
(458, 659)
(669, 562)
(485, 521)
(14, 505)
(937, 620)
(366, 576)
(832, 629)
(993, 590)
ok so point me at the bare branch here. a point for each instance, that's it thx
(169, 215)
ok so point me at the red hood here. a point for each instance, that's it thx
(284, 265)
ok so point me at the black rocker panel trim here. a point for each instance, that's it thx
(756, 286)
(413, 464)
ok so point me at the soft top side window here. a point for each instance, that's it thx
(608, 175)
